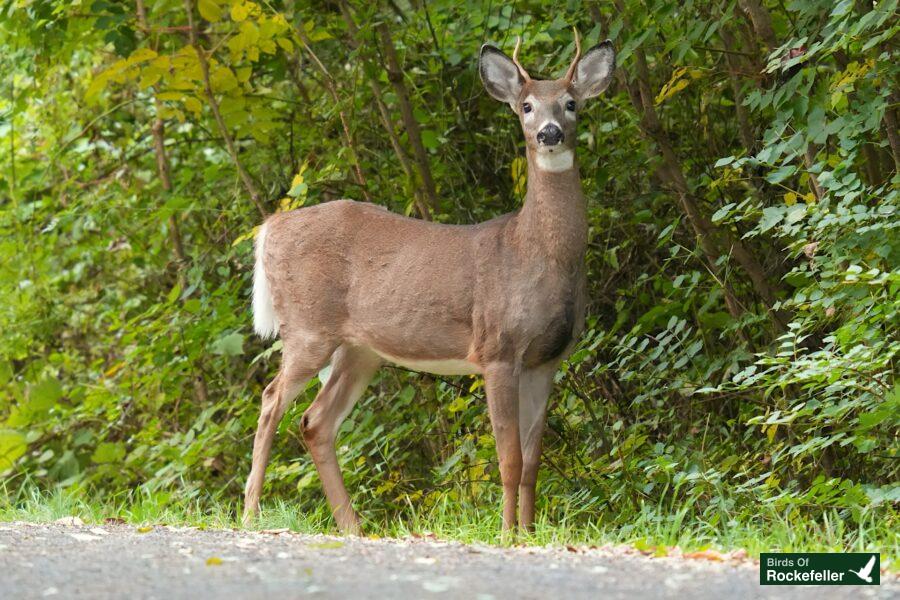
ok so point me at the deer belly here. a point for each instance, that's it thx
(445, 366)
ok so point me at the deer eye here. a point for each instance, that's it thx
(526, 108)
(570, 105)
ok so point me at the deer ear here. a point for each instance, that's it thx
(595, 70)
(500, 75)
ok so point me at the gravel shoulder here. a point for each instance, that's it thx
(120, 561)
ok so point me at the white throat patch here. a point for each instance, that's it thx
(555, 162)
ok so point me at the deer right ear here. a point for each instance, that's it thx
(500, 75)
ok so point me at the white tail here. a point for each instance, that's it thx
(265, 321)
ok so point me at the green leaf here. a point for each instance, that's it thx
(108, 452)
(42, 396)
(12, 446)
(231, 344)
(724, 161)
(210, 10)
(781, 174)
(771, 217)
(430, 139)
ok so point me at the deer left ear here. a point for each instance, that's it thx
(595, 70)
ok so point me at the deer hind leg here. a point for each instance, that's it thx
(502, 387)
(534, 389)
(298, 364)
(351, 370)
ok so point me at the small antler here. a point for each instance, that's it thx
(570, 74)
(515, 59)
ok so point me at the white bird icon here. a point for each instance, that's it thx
(865, 571)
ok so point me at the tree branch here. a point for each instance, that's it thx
(328, 82)
(413, 132)
(214, 106)
(386, 121)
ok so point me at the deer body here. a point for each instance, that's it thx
(357, 285)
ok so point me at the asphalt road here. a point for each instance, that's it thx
(119, 561)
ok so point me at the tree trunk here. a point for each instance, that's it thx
(413, 132)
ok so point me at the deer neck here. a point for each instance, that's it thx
(553, 218)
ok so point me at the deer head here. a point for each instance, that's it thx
(548, 109)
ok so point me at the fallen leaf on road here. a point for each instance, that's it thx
(145, 529)
(84, 537)
(114, 521)
(705, 555)
(437, 586)
(213, 561)
(571, 548)
(327, 545)
(69, 521)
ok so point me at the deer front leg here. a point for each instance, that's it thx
(534, 389)
(502, 386)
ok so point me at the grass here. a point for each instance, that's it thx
(762, 531)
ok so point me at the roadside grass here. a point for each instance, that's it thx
(650, 529)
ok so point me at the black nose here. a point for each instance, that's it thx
(550, 135)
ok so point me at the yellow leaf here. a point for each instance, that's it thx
(268, 46)
(790, 198)
(809, 198)
(193, 105)
(140, 55)
(223, 79)
(674, 85)
(245, 236)
(243, 74)
(288, 204)
(518, 170)
(240, 11)
(92, 94)
(149, 77)
(457, 405)
(114, 369)
(770, 433)
(316, 35)
(213, 561)
(145, 529)
(285, 43)
(327, 545)
(170, 95)
(210, 10)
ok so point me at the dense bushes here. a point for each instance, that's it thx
(742, 176)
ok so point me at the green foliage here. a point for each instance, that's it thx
(694, 390)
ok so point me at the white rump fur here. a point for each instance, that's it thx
(265, 321)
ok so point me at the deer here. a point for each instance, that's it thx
(357, 286)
